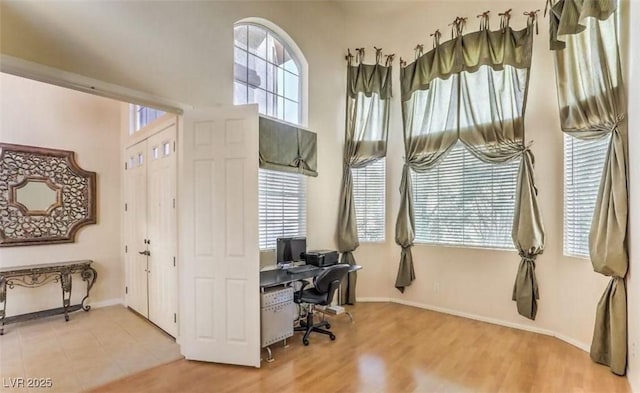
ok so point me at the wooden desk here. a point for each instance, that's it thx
(33, 276)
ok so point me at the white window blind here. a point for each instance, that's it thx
(464, 201)
(282, 206)
(583, 164)
(369, 198)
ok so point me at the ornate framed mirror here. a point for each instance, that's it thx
(45, 197)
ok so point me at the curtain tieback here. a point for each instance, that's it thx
(610, 126)
(299, 162)
(526, 150)
(529, 258)
(617, 121)
(607, 127)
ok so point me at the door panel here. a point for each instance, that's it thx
(219, 255)
(135, 227)
(161, 221)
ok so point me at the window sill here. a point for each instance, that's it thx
(461, 246)
(581, 257)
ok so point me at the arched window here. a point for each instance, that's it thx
(267, 72)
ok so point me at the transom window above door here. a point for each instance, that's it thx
(140, 116)
(266, 72)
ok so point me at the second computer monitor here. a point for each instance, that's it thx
(290, 249)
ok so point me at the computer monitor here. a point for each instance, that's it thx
(290, 249)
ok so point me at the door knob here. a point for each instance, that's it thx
(145, 252)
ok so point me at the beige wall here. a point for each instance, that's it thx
(633, 280)
(38, 114)
(183, 51)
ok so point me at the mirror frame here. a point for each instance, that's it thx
(76, 196)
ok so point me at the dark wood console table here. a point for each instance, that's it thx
(38, 275)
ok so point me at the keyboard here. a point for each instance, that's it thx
(300, 269)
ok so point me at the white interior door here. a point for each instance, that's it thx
(162, 229)
(218, 226)
(135, 220)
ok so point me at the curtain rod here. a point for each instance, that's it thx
(360, 54)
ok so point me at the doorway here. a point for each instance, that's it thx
(151, 274)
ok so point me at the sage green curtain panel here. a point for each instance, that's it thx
(569, 17)
(592, 105)
(366, 133)
(528, 237)
(430, 131)
(284, 147)
(610, 334)
(473, 89)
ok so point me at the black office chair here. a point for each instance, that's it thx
(325, 286)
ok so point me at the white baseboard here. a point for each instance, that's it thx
(585, 347)
(373, 299)
(106, 303)
(534, 329)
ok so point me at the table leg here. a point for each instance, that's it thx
(90, 276)
(65, 282)
(3, 300)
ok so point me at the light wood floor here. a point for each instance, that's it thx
(395, 348)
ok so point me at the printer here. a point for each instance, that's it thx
(321, 258)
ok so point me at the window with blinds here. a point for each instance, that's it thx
(369, 198)
(282, 206)
(465, 202)
(583, 164)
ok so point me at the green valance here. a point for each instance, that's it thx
(368, 79)
(467, 53)
(287, 148)
(567, 17)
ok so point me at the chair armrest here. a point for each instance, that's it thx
(298, 294)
